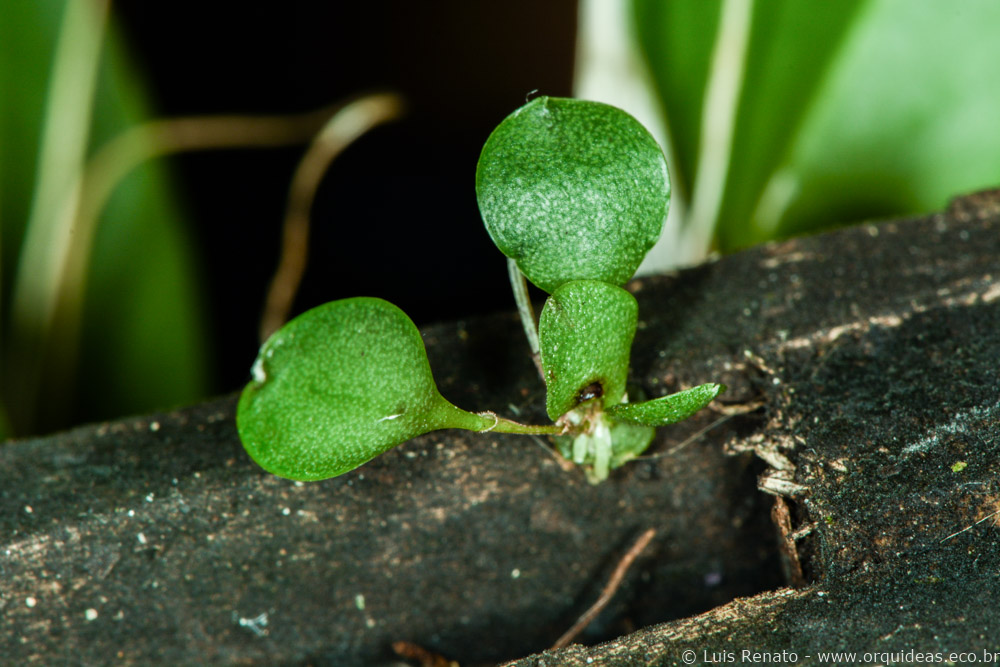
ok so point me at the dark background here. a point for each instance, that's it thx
(396, 214)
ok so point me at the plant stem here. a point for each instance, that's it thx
(507, 426)
(718, 123)
(520, 288)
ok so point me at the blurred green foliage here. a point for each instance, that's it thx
(842, 110)
(140, 339)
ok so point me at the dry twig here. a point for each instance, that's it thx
(609, 590)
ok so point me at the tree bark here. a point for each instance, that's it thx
(857, 457)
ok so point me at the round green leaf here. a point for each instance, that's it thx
(339, 385)
(585, 334)
(572, 190)
(667, 409)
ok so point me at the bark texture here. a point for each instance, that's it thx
(864, 395)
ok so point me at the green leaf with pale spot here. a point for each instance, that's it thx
(667, 409)
(585, 334)
(339, 385)
(572, 190)
(629, 440)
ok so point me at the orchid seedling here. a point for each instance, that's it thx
(574, 193)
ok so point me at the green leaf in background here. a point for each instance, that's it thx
(792, 44)
(667, 409)
(142, 342)
(572, 190)
(787, 116)
(906, 118)
(158, 342)
(586, 329)
(339, 385)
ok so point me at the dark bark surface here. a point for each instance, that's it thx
(864, 392)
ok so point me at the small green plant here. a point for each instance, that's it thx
(574, 193)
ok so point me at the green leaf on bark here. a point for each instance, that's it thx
(585, 334)
(572, 190)
(339, 385)
(667, 409)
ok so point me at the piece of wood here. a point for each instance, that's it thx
(873, 350)
(878, 349)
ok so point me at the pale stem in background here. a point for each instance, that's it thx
(64, 135)
(718, 123)
(345, 127)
